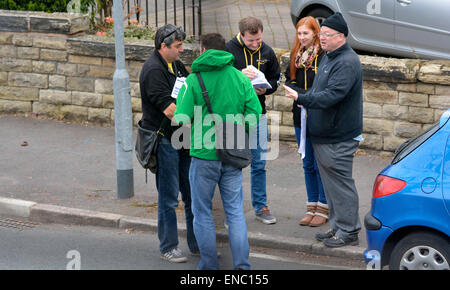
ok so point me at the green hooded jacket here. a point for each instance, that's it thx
(231, 94)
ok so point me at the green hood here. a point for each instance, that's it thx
(230, 92)
(212, 60)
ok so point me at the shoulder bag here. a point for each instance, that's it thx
(231, 149)
(147, 142)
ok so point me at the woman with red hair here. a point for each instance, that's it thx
(305, 58)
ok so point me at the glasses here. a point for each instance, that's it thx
(327, 34)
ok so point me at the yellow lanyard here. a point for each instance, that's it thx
(169, 64)
(315, 72)
(251, 54)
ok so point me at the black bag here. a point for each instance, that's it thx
(235, 152)
(147, 142)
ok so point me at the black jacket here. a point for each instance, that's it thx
(298, 84)
(263, 58)
(156, 82)
(334, 102)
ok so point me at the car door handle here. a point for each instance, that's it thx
(404, 2)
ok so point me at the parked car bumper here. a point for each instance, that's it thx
(377, 234)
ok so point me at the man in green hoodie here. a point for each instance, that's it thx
(231, 93)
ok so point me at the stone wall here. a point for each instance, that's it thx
(70, 78)
(67, 78)
(58, 23)
(402, 97)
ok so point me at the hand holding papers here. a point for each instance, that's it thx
(258, 78)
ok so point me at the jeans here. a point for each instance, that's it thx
(204, 175)
(313, 182)
(258, 166)
(172, 177)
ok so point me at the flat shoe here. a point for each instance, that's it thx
(306, 220)
(336, 242)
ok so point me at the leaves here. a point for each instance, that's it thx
(35, 5)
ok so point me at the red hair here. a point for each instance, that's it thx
(310, 23)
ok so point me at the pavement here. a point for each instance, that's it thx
(66, 174)
(223, 17)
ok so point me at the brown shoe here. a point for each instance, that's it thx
(306, 220)
(310, 210)
(320, 216)
(317, 221)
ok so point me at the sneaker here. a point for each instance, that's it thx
(336, 242)
(327, 235)
(174, 256)
(264, 216)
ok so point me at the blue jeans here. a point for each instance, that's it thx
(172, 177)
(258, 167)
(314, 187)
(204, 175)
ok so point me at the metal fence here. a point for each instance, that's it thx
(158, 13)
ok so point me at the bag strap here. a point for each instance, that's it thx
(205, 95)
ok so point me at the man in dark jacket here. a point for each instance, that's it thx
(158, 76)
(334, 124)
(248, 48)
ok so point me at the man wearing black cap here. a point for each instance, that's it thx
(334, 123)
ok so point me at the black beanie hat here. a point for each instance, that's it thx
(336, 22)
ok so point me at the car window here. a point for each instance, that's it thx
(411, 144)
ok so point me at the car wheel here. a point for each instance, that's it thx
(421, 251)
(320, 14)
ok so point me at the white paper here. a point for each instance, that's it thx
(260, 82)
(301, 147)
(176, 88)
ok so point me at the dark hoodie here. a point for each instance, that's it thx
(263, 58)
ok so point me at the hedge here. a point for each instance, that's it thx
(49, 6)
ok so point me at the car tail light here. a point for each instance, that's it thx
(385, 185)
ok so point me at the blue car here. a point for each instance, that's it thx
(408, 226)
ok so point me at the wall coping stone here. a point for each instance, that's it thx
(399, 70)
(135, 49)
(30, 21)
